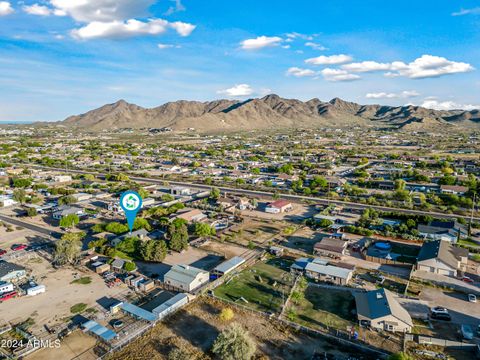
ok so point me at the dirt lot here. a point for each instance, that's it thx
(257, 231)
(304, 240)
(53, 306)
(298, 214)
(195, 328)
(7, 238)
(72, 346)
(226, 249)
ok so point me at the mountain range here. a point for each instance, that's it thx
(270, 112)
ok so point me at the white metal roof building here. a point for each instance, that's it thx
(228, 266)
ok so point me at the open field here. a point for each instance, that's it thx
(323, 307)
(255, 231)
(53, 307)
(263, 287)
(195, 327)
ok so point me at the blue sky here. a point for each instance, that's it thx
(63, 57)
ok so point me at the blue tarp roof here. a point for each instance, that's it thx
(138, 312)
(99, 330)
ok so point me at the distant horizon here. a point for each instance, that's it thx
(18, 122)
(61, 58)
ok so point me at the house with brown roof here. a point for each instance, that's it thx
(190, 215)
(279, 206)
(331, 247)
(453, 189)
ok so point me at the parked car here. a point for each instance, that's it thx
(439, 310)
(472, 298)
(467, 279)
(2, 252)
(467, 332)
(8, 295)
(18, 247)
(441, 316)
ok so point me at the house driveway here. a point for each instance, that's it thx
(461, 310)
(449, 281)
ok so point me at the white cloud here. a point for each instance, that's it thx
(366, 66)
(176, 8)
(402, 95)
(237, 90)
(338, 75)
(315, 46)
(295, 35)
(115, 18)
(261, 42)
(183, 29)
(168, 46)
(37, 9)
(423, 67)
(472, 11)
(447, 105)
(129, 28)
(103, 10)
(299, 72)
(329, 60)
(5, 8)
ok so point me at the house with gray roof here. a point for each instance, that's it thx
(66, 210)
(186, 277)
(322, 270)
(442, 230)
(228, 266)
(10, 272)
(380, 310)
(441, 257)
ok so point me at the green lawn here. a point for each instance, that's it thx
(322, 308)
(468, 242)
(83, 280)
(262, 286)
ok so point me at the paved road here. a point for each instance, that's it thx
(270, 194)
(26, 225)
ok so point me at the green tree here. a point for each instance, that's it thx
(141, 223)
(67, 200)
(214, 193)
(234, 343)
(69, 221)
(153, 250)
(178, 237)
(129, 266)
(98, 228)
(31, 212)
(400, 184)
(204, 230)
(400, 356)
(68, 248)
(116, 228)
(21, 182)
(20, 196)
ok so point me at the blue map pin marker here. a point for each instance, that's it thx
(131, 203)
